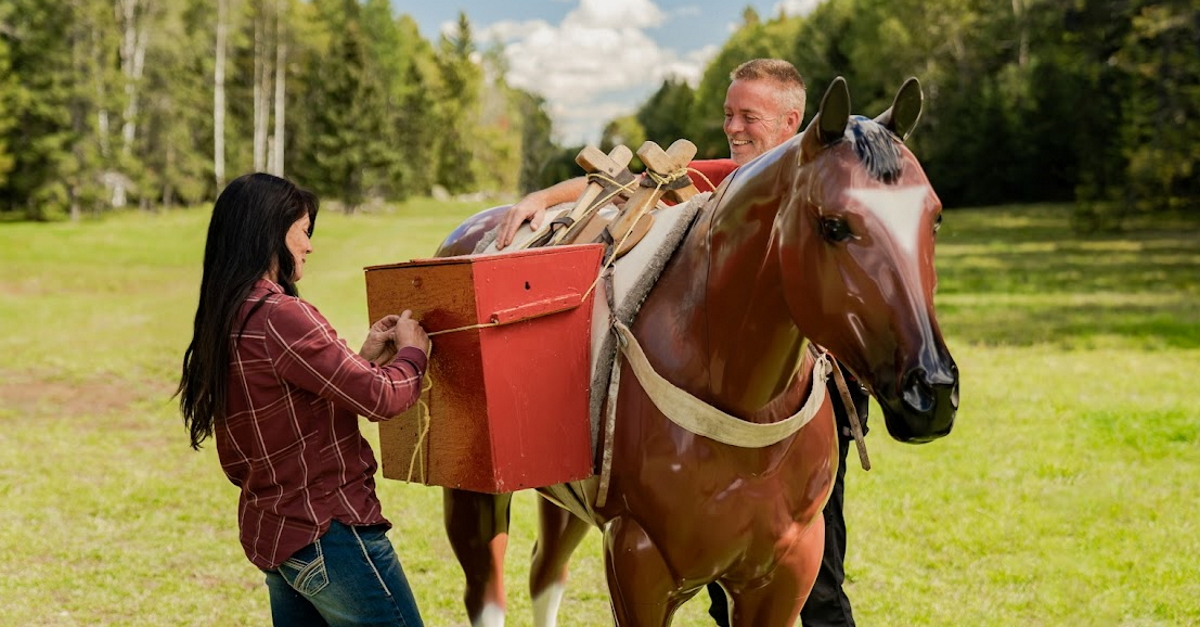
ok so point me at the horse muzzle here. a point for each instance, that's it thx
(925, 407)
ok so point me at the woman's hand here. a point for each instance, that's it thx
(380, 345)
(408, 332)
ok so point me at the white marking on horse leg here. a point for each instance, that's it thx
(545, 605)
(900, 211)
(491, 616)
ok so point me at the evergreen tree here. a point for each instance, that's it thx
(10, 93)
(460, 78)
(536, 146)
(349, 140)
(665, 116)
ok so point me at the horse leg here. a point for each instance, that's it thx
(640, 583)
(778, 603)
(559, 534)
(477, 526)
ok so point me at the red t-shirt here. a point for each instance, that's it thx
(707, 174)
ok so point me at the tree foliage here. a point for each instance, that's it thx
(1092, 100)
(105, 103)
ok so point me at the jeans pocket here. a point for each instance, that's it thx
(305, 571)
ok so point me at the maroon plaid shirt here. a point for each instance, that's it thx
(290, 439)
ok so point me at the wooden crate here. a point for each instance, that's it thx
(508, 404)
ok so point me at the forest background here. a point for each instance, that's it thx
(106, 104)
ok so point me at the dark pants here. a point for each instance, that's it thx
(827, 603)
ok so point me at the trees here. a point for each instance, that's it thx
(106, 103)
(144, 103)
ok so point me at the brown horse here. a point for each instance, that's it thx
(829, 238)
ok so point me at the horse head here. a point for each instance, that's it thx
(855, 242)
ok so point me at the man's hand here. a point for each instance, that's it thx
(531, 208)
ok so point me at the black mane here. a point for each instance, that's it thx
(876, 148)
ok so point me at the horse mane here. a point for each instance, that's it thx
(876, 148)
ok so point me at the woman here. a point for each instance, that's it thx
(267, 374)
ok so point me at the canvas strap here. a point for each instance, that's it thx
(700, 418)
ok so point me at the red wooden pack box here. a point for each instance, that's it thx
(507, 403)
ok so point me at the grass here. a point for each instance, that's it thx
(1065, 495)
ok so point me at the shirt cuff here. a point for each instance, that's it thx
(414, 356)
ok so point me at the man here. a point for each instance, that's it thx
(764, 106)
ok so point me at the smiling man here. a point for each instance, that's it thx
(764, 106)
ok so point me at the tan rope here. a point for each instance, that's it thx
(466, 328)
(659, 181)
(423, 420)
(701, 175)
(628, 187)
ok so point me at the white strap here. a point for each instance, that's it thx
(700, 418)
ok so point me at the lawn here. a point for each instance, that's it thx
(1064, 496)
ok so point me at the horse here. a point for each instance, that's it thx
(829, 239)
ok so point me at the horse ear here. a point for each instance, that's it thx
(834, 113)
(902, 116)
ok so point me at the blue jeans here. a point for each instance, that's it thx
(350, 576)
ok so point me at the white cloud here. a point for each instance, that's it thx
(597, 64)
(796, 7)
(616, 14)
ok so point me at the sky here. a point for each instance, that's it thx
(595, 60)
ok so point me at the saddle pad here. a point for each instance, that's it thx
(633, 277)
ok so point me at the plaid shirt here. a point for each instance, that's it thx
(290, 439)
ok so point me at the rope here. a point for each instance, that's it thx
(659, 182)
(701, 175)
(628, 188)
(423, 420)
(611, 259)
(666, 179)
(466, 328)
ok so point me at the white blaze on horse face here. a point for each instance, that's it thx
(900, 211)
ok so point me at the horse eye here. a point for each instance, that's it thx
(835, 229)
(937, 224)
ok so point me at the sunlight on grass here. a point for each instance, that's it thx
(1064, 496)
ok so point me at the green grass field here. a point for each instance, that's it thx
(1066, 494)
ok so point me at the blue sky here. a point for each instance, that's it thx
(594, 60)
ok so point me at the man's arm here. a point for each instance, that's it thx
(533, 208)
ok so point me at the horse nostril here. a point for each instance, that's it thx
(918, 395)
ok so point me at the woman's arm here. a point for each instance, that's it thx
(308, 353)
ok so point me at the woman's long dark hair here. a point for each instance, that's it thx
(247, 239)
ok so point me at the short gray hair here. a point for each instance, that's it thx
(782, 73)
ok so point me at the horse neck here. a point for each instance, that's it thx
(732, 341)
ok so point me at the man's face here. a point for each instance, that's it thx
(755, 122)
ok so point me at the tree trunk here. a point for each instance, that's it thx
(133, 58)
(262, 86)
(1022, 34)
(219, 96)
(278, 142)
